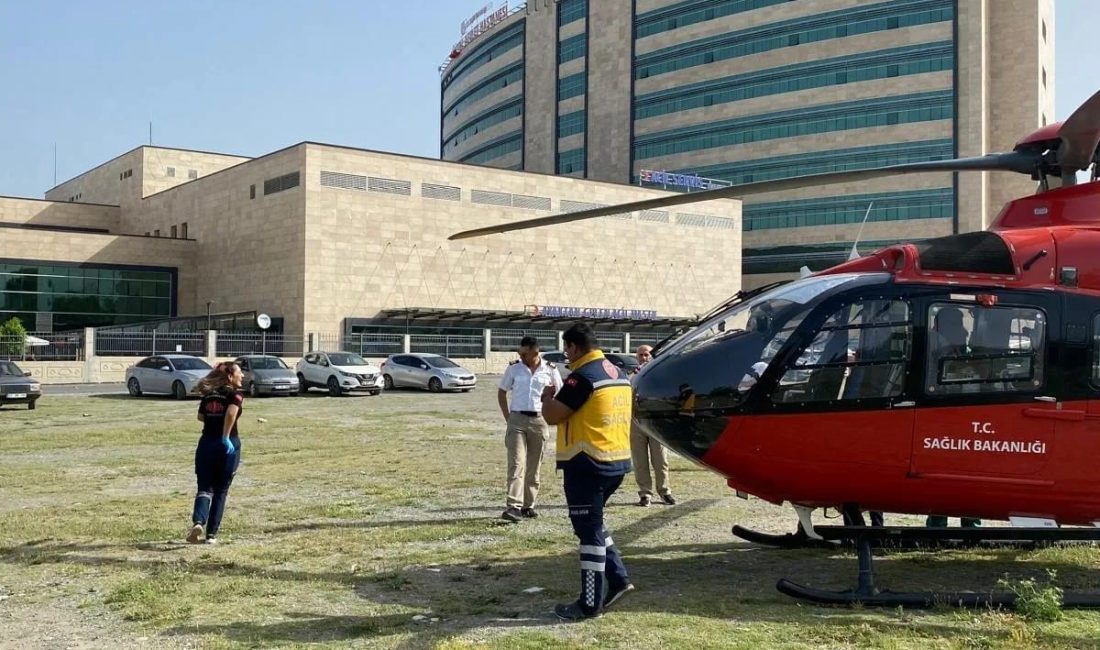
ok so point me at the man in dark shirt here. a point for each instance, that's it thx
(592, 411)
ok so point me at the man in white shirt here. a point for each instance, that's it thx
(647, 454)
(527, 432)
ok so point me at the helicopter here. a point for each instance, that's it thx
(954, 376)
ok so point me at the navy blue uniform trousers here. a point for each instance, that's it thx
(602, 567)
(214, 470)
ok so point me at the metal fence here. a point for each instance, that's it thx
(140, 344)
(449, 345)
(43, 346)
(610, 341)
(508, 340)
(374, 344)
(235, 344)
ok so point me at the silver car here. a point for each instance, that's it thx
(17, 387)
(166, 374)
(432, 371)
(267, 375)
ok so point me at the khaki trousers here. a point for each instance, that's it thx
(646, 453)
(525, 439)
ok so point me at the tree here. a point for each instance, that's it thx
(13, 337)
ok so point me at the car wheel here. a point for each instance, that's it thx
(333, 387)
(435, 385)
(303, 387)
(466, 390)
(178, 391)
(252, 390)
(31, 405)
(134, 387)
(387, 382)
(376, 392)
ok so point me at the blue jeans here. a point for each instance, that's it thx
(215, 470)
(586, 493)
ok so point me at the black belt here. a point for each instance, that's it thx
(530, 414)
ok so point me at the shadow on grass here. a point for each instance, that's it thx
(720, 581)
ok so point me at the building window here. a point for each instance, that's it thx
(281, 183)
(1044, 23)
(251, 191)
(156, 233)
(183, 230)
(175, 234)
(1044, 77)
(171, 172)
(146, 233)
(192, 173)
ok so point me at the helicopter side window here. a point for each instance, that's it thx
(860, 352)
(978, 349)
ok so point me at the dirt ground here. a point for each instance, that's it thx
(374, 522)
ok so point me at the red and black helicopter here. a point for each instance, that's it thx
(954, 376)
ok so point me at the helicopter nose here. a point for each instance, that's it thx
(686, 401)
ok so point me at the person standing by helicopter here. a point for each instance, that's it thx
(592, 411)
(218, 454)
(646, 453)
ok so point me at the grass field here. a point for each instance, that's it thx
(374, 522)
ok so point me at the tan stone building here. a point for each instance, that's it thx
(749, 90)
(331, 240)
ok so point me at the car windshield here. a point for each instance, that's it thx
(190, 363)
(267, 363)
(9, 369)
(440, 362)
(346, 359)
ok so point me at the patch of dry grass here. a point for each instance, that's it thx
(373, 522)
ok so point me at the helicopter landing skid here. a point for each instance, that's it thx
(867, 595)
(797, 539)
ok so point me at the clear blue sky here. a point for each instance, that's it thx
(249, 77)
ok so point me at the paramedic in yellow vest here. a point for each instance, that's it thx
(592, 411)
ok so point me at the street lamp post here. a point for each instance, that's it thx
(209, 322)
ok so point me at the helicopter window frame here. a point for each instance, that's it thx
(978, 362)
(855, 383)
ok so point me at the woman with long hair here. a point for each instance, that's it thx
(219, 451)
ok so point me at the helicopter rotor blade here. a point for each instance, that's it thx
(1018, 161)
(1080, 135)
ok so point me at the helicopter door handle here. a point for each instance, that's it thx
(1045, 398)
(905, 404)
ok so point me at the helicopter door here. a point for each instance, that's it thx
(984, 414)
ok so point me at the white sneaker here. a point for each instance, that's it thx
(194, 536)
(211, 540)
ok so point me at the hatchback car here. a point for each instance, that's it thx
(432, 371)
(267, 375)
(339, 372)
(166, 374)
(16, 386)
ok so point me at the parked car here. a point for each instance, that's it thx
(627, 362)
(16, 386)
(432, 371)
(166, 374)
(339, 372)
(267, 375)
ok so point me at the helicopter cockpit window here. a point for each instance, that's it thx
(977, 349)
(860, 352)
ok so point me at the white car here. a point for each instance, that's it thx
(339, 372)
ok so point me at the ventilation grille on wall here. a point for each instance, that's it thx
(442, 192)
(530, 202)
(721, 222)
(491, 198)
(389, 186)
(577, 206)
(654, 216)
(686, 219)
(344, 181)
